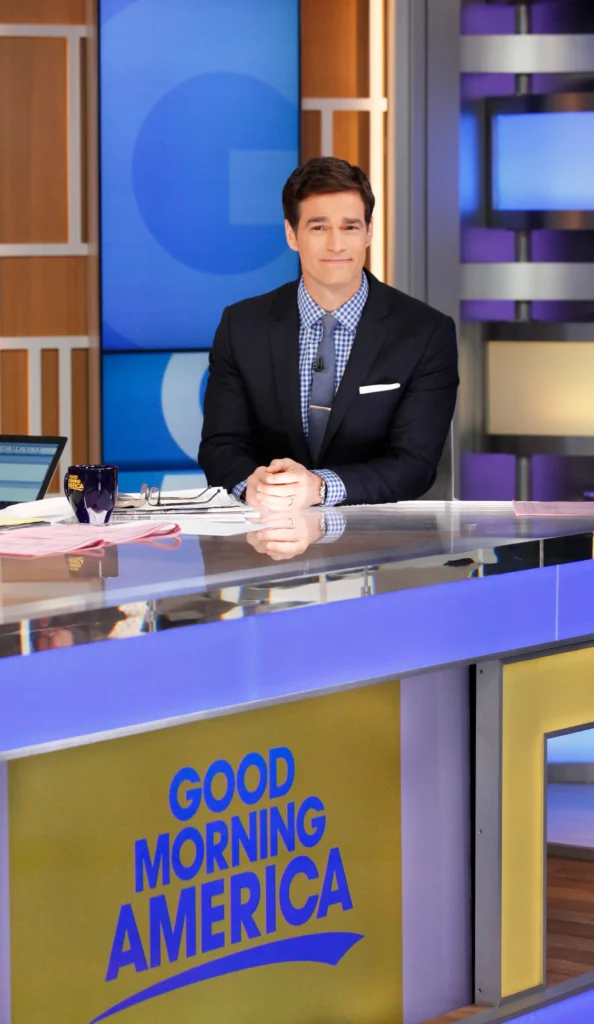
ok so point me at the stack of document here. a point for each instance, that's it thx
(157, 503)
(208, 511)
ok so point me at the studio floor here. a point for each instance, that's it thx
(570, 907)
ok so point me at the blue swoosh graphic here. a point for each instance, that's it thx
(323, 948)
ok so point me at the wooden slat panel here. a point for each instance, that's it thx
(50, 392)
(33, 157)
(311, 134)
(80, 406)
(84, 138)
(42, 12)
(335, 48)
(351, 137)
(43, 295)
(14, 390)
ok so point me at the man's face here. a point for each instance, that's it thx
(331, 237)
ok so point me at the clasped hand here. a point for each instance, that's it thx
(283, 485)
(282, 536)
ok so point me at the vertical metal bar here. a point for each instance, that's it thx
(327, 118)
(523, 255)
(65, 400)
(376, 130)
(523, 478)
(488, 833)
(523, 87)
(5, 986)
(73, 44)
(34, 376)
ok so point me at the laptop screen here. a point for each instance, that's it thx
(23, 468)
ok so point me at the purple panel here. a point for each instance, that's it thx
(478, 87)
(145, 679)
(487, 245)
(548, 84)
(563, 16)
(487, 19)
(482, 310)
(563, 312)
(573, 598)
(563, 246)
(436, 870)
(574, 1010)
(548, 477)
(486, 476)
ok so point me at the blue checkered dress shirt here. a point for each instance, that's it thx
(310, 333)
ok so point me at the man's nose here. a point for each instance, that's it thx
(335, 240)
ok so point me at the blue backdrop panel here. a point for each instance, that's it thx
(470, 143)
(152, 409)
(199, 131)
(543, 161)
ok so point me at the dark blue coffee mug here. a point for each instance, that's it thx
(92, 492)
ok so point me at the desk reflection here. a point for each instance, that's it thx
(282, 537)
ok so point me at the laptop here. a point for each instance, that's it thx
(27, 465)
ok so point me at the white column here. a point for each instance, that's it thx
(73, 42)
(34, 375)
(65, 386)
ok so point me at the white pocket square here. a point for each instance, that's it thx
(367, 389)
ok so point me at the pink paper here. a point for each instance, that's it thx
(35, 541)
(554, 508)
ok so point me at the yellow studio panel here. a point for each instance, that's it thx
(540, 387)
(76, 815)
(540, 696)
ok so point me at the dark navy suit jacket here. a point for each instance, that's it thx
(385, 445)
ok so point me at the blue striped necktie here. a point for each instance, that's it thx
(323, 381)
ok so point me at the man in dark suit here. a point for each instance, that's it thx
(335, 388)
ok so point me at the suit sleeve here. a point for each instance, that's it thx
(226, 451)
(407, 466)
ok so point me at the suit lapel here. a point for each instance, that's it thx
(369, 339)
(284, 340)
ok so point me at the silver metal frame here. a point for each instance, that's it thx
(558, 282)
(527, 54)
(487, 984)
(423, 178)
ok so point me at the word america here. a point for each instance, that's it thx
(236, 904)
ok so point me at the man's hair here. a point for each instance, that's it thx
(320, 176)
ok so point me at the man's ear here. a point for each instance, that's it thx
(291, 237)
(369, 233)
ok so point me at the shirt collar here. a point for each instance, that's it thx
(348, 314)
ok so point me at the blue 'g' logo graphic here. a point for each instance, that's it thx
(199, 132)
(209, 164)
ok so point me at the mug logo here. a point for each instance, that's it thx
(74, 483)
(75, 562)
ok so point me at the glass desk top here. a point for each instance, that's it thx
(311, 558)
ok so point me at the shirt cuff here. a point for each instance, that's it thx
(239, 490)
(334, 526)
(335, 489)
